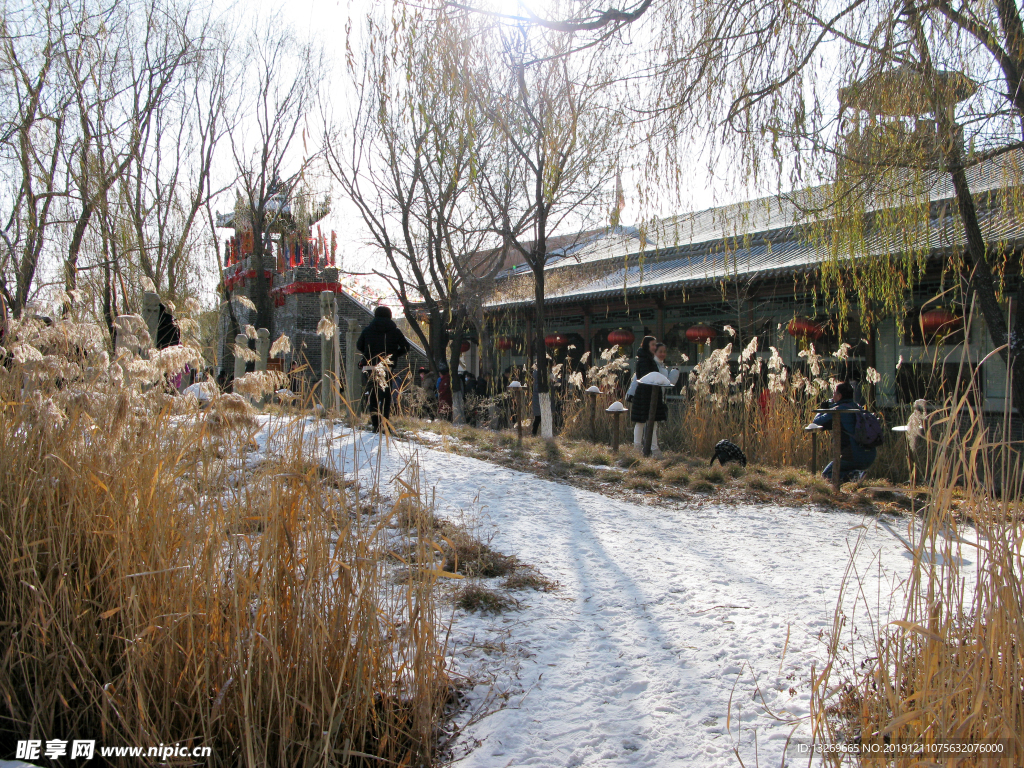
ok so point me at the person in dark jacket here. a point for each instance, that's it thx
(854, 458)
(380, 342)
(641, 406)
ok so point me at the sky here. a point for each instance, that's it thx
(326, 20)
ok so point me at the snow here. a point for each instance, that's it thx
(680, 634)
(203, 391)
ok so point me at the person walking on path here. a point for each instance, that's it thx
(641, 406)
(380, 342)
(854, 458)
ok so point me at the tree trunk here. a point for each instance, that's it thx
(71, 265)
(109, 305)
(540, 379)
(438, 342)
(264, 311)
(228, 363)
(983, 286)
(458, 403)
(486, 347)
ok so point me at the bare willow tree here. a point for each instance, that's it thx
(411, 163)
(34, 104)
(125, 64)
(109, 129)
(280, 88)
(167, 186)
(150, 222)
(554, 152)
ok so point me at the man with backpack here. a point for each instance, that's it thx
(862, 434)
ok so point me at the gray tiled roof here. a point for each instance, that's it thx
(690, 249)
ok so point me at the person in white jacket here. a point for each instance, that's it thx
(660, 353)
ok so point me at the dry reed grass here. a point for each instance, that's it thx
(951, 668)
(162, 583)
(718, 404)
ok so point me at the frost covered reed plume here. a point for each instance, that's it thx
(759, 403)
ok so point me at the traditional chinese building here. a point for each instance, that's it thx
(753, 268)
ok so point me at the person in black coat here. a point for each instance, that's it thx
(641, 406)
(378, 341)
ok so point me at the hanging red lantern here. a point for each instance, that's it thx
(556, 340)
(621, 338)
(465, 347)
(802, 328)
(504, 343)
(938, 321)
(700, 334)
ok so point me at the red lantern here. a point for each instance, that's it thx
(938, 321)
(700, 334)
(802, 328)
(621, 338)
(504, 343)
(556, 340)
(464, 348)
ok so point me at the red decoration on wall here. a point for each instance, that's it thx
(238, 277)
(465, 347)
(247, 242)
(938, 321)
(556, 340)
(505, 343)
(621, 338)
(802, 328)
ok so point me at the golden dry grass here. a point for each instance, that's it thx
(951, 668)
(160, 586)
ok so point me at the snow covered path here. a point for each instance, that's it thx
(664, 615)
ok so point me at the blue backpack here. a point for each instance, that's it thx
(868, 432)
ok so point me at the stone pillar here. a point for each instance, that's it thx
(241, 341)
(353, 379)
(262, 348)
(151, 313)
(327, 352)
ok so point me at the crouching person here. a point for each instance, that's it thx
(861, 433)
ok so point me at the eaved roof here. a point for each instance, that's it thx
(756, 239)
(280, 209)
